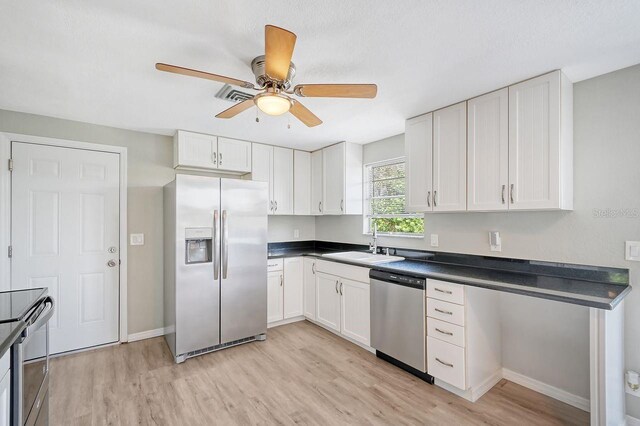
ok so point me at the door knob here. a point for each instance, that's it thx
(112, 263)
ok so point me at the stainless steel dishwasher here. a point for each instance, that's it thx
(398, 332)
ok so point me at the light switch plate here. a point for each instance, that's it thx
(136, 239)
(632, 250)
(434, 240)
(495, 241)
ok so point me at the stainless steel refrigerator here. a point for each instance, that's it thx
(215, 278)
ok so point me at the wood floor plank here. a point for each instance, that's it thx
(302, 374)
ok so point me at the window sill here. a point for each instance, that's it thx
(417, 236)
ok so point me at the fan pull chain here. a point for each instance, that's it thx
(289, 122)
(257, 112)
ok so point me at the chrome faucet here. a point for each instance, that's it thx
(373, 246)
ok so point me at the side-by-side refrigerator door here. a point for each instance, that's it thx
(243, 285)
(197, 288)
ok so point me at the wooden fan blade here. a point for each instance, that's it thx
(336, 90)
(304, 115)
(201, 74)
(278, 46)
(236, 109)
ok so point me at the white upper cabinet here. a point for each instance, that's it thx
(541, 143)
(450, 158)
(262, 167)
(488, 151)
(342, 179)
(194, 150)
(283, 181)
(275, 166)
(316, 182)
(418, 146)
(301, 182)
(199, 151)
(234, 155)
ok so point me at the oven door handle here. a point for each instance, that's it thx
(44, 316)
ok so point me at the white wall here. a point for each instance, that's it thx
(606, 176)
(281, 228)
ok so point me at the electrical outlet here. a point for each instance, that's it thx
(494, 241)
(136, 239)
(632, 378)
(296, 233)
(434, 240)
(632, 250)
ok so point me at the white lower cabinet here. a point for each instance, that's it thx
(285, 289)
(463, 338)
(293, 287)
(275, 296)
(354, 313)
(328, 301)
(309, 280)
(5, 390)
(342, 300)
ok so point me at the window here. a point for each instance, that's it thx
(384, 201)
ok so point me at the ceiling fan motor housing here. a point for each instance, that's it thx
(263, 80)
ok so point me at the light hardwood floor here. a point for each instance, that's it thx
(302, 374)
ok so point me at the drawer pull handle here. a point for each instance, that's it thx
(448, 333)
(442, 291)
(443, 312)
(444, 363)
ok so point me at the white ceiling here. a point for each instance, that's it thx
(93, 61)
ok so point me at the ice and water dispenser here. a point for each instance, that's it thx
(198, 245)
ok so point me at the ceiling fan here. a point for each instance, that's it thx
(274, 72)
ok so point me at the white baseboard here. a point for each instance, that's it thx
(286, 321)
(146, 334)
(476, 393)
(546, 389)
(632, 421)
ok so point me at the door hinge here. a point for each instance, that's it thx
(10, 251)
(10, 165)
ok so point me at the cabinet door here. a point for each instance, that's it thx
(283, 180)
(309, 278)
(328, 300)
(450, 158)
(316, 182)
(196, 150)
(301, 182)
(293, 287)
(355, 320)
(262, 167)
(275, 299)
(333, 179)
(418, 146)
(534, 143)
(5, 399)
(234, 155)
(488, 151)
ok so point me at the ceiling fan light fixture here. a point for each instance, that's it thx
(273, 103)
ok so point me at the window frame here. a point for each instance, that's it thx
(367, 202)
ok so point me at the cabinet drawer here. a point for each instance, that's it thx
(445, 331)
(445, 311)
(274, 265)
(442, 290)
(446, 362)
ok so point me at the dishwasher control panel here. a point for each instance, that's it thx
(398, 279)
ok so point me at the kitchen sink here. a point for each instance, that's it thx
(363, 257)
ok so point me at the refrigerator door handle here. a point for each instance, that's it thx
(225, 245)
(216, 246)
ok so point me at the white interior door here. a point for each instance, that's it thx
(64, 232)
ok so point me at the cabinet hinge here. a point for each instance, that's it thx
(10, 165)
(10, 251)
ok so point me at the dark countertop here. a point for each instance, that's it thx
(592, 286)
(9, 332)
